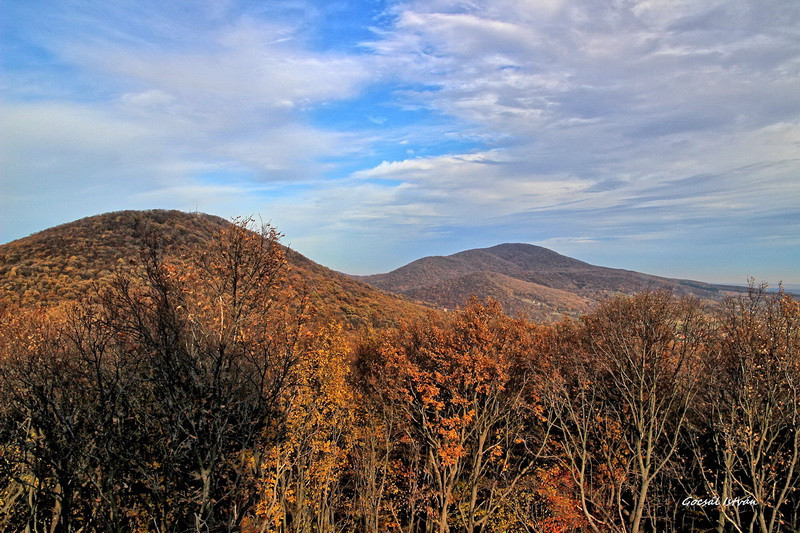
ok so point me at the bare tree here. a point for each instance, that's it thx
(621, 403)
(752, 422)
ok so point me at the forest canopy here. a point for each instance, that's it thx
(210, 393)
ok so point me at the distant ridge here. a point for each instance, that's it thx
(62, 264)
(526, 279)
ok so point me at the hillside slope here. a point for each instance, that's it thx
(62, 264)
(526, 279)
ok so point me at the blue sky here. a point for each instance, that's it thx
(658, 135)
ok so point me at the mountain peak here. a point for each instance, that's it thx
(527, 256)
(524, 278)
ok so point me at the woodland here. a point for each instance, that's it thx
(214, 394)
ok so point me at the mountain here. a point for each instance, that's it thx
(526, 279)
(62, 264)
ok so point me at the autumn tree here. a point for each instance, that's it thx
(383, 487)
(43, 427)
(466, 387)
(749, 444)
(303, 481)
(155, 399)
(621, 400)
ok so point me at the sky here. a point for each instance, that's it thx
(660, 135)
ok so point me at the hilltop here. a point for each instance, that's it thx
(526, 279)
(64, 263)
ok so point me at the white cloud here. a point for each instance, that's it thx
(52, 142)
(148, 99)
(649, 91)
(245, 66)
(235, 91)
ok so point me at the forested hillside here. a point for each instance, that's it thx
(208, 392)
(65, 263)
(529, 280)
